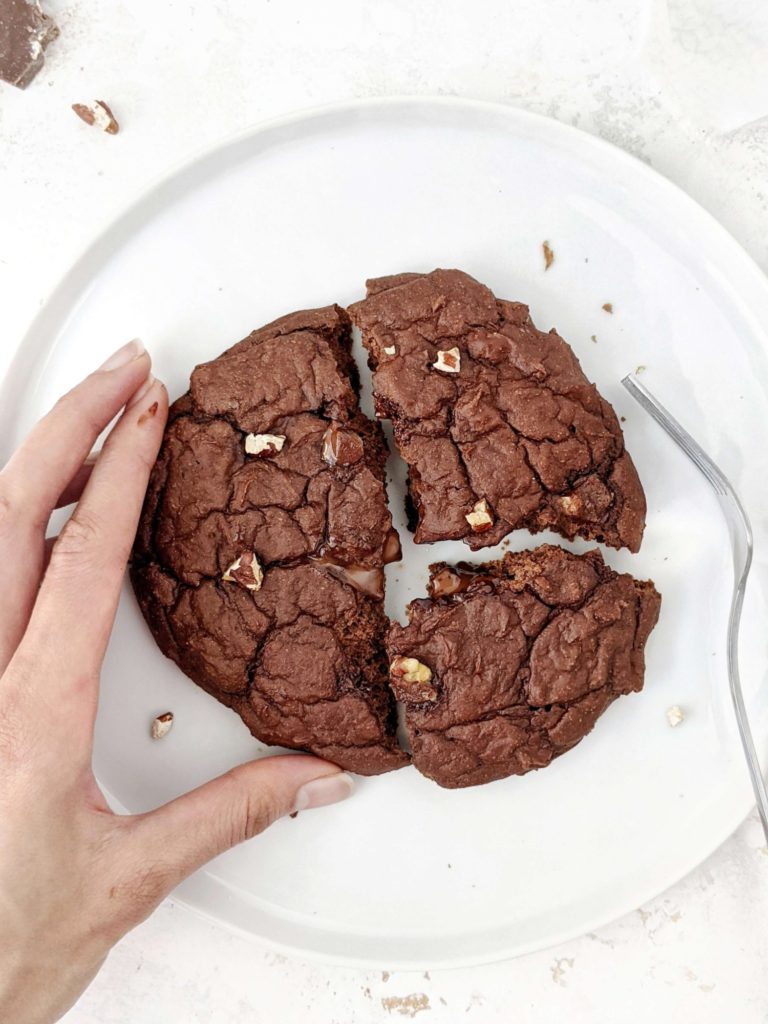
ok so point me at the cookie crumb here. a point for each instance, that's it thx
(675, 715)
(639, 369)
(623, 419)
(549, 256)
(97, 114)
(608, 307)
(593, 337)
(406, 1006)
(162, 725)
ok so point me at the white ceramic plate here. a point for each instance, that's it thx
(297, 213)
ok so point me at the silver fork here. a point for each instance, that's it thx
(741, 545)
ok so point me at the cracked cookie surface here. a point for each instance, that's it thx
(517, 659)
(499, 426)
(259, 558)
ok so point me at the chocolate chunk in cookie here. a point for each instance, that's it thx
(509, 664)
(499, 426)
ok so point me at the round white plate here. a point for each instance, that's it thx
(298, 213)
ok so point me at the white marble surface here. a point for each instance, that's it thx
(680, 83)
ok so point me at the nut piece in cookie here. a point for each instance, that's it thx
(529, 652)
(449, 361)
(480, 518)
(246, 571)
(264, 445)
(411, 681)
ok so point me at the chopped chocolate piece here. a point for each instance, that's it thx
(509, 664)
(495, 419)
(259, 564)
(25, 32)
(342, 447)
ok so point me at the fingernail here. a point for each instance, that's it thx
(320, 792)
(142, 391)
(91, 457)
(124, 355)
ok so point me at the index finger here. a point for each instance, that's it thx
(75, 608)
(46, 468)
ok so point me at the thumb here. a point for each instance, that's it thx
(184, 834)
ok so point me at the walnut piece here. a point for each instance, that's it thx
(480, 518)
(98, 115)
(264, 445)
(448, 360)
(411, 680)
(246, 571)
(162, 725)
(571, 504)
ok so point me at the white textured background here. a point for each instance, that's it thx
(683, 84)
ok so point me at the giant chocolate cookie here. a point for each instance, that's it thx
(259, 558)
(496, 420)
(509, 664)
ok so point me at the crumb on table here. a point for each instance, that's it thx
(162, 725)
(98, 115)
(675, 715)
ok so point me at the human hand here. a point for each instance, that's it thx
(74, 877)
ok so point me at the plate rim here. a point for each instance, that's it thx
(68, 290)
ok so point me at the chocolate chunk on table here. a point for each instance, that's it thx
(260, 553)
(499, 426)
(509, 664)
(25, 32)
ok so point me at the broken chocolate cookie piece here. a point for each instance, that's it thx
(259, 560)
(25, 32)
(509, 664)
(499, 426)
